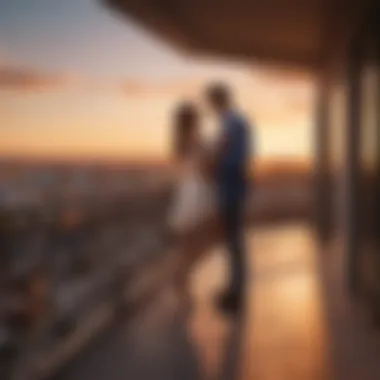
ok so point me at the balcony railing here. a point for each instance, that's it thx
(66, 268)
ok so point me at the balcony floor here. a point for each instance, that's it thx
(299, 324)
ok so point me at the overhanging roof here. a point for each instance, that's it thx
(296, 32)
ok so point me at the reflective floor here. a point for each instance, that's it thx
(290, 330)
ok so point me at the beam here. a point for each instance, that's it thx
(155, 16)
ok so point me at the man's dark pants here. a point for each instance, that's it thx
(232, 213)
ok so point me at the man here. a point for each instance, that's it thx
(231, 179)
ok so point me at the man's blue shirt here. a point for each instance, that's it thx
(235, 156)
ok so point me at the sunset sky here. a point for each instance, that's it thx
(78, 80)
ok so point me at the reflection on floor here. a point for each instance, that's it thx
(287, 337)
(285, 334)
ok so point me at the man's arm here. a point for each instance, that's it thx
(215, 155)
(233, 140)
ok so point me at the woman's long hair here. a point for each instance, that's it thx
(185, 121)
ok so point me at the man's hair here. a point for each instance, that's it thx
(219, 93)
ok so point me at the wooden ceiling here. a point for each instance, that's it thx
(295, 32)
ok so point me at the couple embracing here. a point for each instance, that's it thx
(209, 200)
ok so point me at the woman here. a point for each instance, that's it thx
(193, 217)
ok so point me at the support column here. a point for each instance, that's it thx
(353, 171)
(376, 236)
(323, 206)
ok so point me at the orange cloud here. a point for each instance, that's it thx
(132, 87)
(18, 78)
(26, 79)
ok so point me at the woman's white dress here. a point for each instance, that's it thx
(194, 198)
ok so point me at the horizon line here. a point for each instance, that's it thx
(307, 161)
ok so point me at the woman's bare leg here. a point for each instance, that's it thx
(191, 248)
(186, 248)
